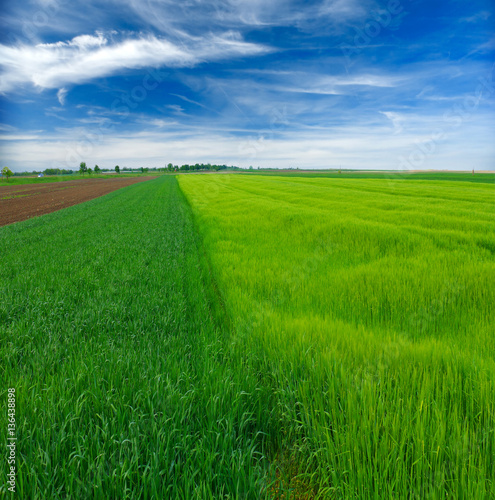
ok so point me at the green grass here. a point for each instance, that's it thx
(390, 175)
(254, 336)
(372, 302)
(108, 333)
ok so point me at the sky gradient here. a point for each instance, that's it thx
(399, 85)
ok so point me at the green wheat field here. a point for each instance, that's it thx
(248, 336)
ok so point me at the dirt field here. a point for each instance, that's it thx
(22, 202)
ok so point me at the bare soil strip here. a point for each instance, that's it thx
(18, 203)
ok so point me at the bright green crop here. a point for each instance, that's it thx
(372, 300)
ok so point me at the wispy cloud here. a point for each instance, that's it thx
(396, 119)
(269, 74)
(191, 101)
(483, 15)
(85, 58)
(176, 109)
(169, 15)
(61, 95)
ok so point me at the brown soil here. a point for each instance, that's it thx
(22, 202)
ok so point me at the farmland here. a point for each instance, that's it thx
(22, 180)
(371, 300)
(21, 202)
(255, 336)
(123, 384)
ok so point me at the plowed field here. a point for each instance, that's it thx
(18, 203)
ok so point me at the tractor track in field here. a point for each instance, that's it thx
(21, 202)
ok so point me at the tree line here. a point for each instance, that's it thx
(199, 166)
(84, 169)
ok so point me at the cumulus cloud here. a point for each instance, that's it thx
(88, 57)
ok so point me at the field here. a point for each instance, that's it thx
(21, 180)
(123, 386)
(21, 202)
(255, 336)
(372, 301)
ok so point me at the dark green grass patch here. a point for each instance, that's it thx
(123, 383)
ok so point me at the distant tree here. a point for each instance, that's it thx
(83, 168)
(6, 172)
(117, 169)
(56, 171)
(97, 169)
(170, 167)
(89, 171)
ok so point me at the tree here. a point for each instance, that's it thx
(117, 169)
(56, 171)
(83, 168)
(170, 167)
(6, 172)
(89, 171)
(97, 169)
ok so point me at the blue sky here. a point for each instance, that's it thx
(403, 84)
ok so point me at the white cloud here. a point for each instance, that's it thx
(352, 146)
(170, 15)
(85, 41)
(18, 137)
(480, 16)
(330, 85)
(186, 99)
(344, 9)
(396, 120)
(87, 57)
(82, 42)
(6, 128)
(61, 95)
(176, 109)
(158, 123)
